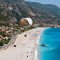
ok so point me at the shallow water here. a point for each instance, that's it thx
(50, 37)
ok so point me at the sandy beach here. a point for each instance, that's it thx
(25, 46)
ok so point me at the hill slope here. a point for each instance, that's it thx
(45, 8)
(13, 10)
(48, 12)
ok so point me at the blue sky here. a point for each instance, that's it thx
(55, 2)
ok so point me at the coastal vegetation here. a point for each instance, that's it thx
(4, 41)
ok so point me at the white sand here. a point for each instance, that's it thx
(25, 46)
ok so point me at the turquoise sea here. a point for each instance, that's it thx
(51, 38)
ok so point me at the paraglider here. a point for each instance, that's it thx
(25, 21)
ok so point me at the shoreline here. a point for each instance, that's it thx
(36, 53)
(26, 45)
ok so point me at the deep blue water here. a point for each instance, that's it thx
(50, 37)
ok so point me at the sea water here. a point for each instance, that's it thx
(51, 49)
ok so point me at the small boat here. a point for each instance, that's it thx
(44, 45)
